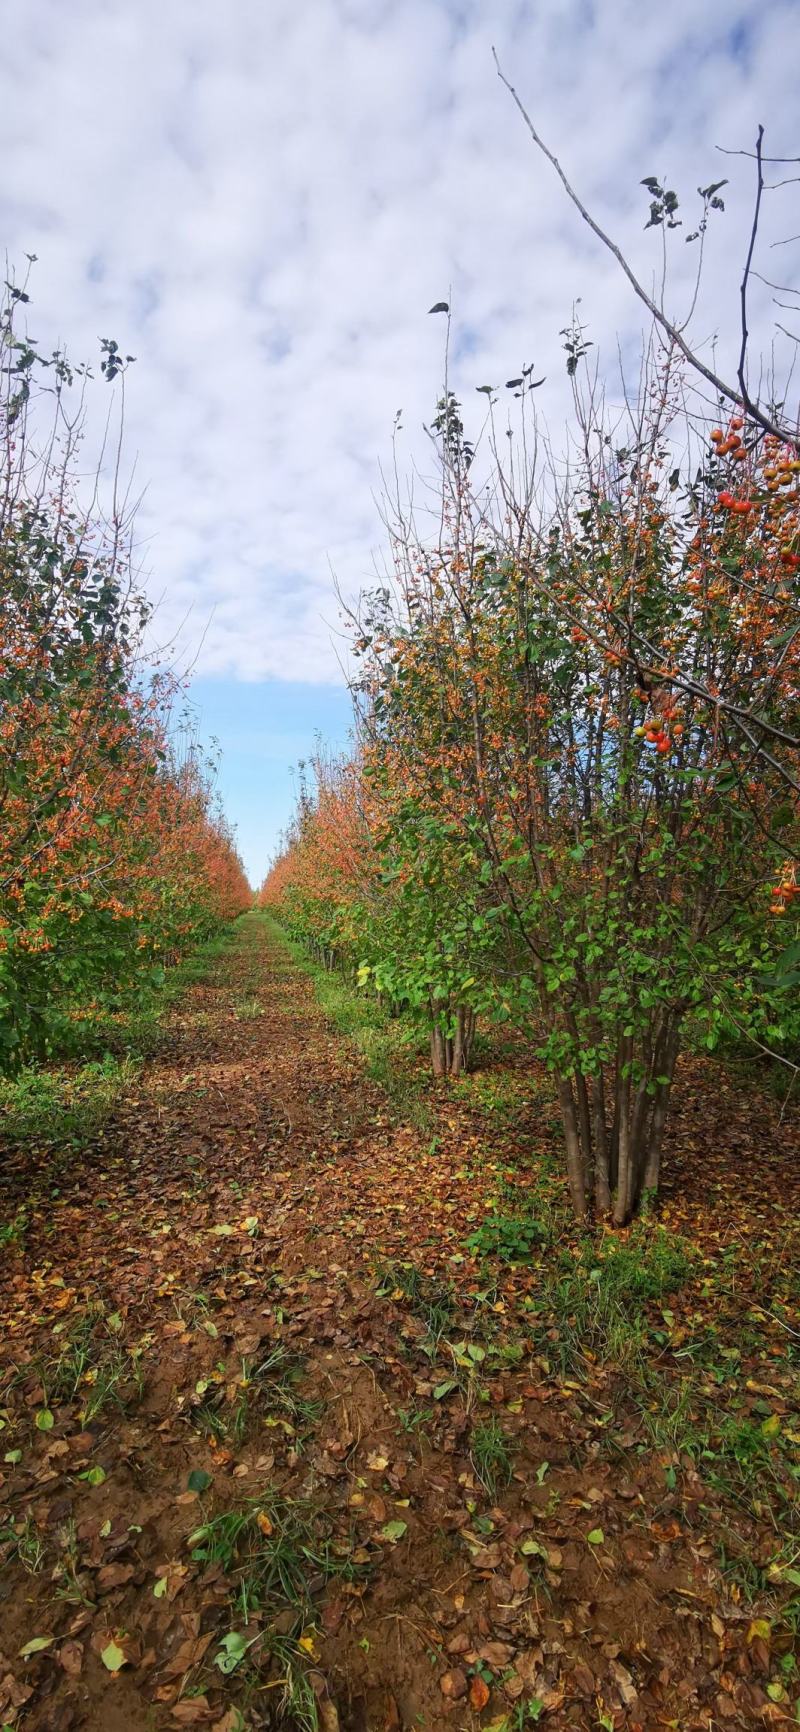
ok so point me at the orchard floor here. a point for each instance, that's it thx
(249, 1307)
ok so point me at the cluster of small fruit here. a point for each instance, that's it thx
(729, 444)
(779, 471)
(663, 730)
(784, 890)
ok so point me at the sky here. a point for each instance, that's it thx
(261, 201)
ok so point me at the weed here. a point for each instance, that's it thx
(740, 1572)
(266, 1388)
(22, 1540)
(278, 1556)
(490, 1455)
(92, 1364)
(651, 1264)
(596, 1301)
(298, 1702)
(64, 1106)
(72, 1584)
(512, 1238)
(415, 1419)
(247, 1009)
(432, 1301)
(13, 1232)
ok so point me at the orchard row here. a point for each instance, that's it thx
(572, 800)
(114, 858)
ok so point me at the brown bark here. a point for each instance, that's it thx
(666, 1067)
(584, 1129)
(438, 1052)
(450, 1054)
(573, 1146)
(624, 1149)
(602, 1183)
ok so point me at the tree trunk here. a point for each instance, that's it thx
(584, 1130)
(622, 1202)
(438, 1052)
(573, 1146)
(665, 1068)
(602, 1182)
(462, 1040)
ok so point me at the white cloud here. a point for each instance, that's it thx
(261, 201)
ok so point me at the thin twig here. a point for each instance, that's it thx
(733, 394)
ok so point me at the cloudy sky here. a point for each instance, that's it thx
(261, 200)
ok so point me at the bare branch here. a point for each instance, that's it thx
(733, 394)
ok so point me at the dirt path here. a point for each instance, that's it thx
(208, 1324)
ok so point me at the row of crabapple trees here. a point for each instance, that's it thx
(114, 857)
(571, 803)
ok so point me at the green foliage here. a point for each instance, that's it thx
(512, 1238)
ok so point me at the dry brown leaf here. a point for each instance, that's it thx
(70, 1657)
(453, 1685)
(478, 1693)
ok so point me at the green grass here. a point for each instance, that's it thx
(432, 1301)
(390, 1046)
(490, 1455)
(62, 1105)
(596, 1300)
(278, 1555)
(69, 1103)
(91, 1366)
(265, 1390)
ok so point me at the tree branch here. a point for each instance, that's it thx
(733, 394)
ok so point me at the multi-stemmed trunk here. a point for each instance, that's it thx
(451, 1051)
(615, 1165)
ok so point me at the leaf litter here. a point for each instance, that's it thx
(287, 1440)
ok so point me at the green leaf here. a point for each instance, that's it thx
(198, 1479)
(94, 1475)
(160, 1587)
(446, 1388)
(393, 1531)
(596, 1537)
(44, 1419)
(12, 1456)
(542, 1469)
(232, 1650)
(113, 1658)
(35, 1646)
